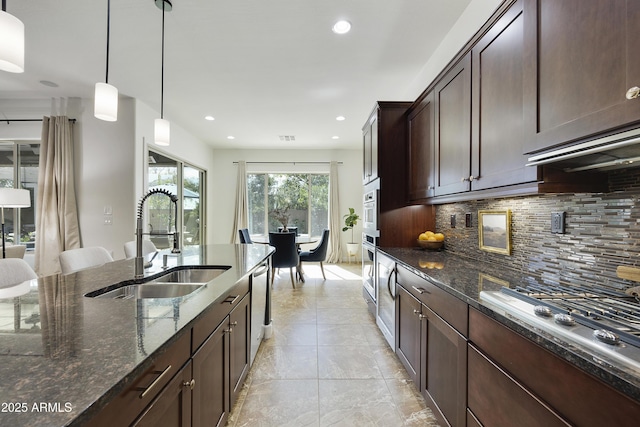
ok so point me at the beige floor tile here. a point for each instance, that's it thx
(357, 403)
(287, 362)
(351, 334)
(293, 334)
(410, 403)
(346, 362)
(359, 315)
(280, 403)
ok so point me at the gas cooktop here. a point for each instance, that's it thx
(604, 323)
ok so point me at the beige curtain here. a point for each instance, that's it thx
(242, 209)
(57, 226)
(335, 225)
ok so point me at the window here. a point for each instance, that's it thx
(19, 169)
(185, 181)
(302, 199)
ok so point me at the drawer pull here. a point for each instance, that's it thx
(231, 299)
(191, 384)
(419, 290)
(422, 316)
(633, 92)
(234, 323)
(145, 391)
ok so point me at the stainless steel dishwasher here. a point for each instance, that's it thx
(386, 291)
(260, 312)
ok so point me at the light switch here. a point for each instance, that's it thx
(453, 221)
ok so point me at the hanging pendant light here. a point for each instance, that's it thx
(162, 127)
(11, 42)
(105, 105)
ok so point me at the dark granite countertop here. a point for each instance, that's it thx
(466, 278)
(73, 353)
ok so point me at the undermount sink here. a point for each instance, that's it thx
(151, 290)
(174, 284)
(190, 275)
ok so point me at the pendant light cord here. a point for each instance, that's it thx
(106, 78)
(162, 68)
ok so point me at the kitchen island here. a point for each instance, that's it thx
(83, 352)
(503, 366)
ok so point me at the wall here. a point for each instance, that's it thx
(223, 178)
(602, 232)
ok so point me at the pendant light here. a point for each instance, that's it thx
(11, 42)
(162, 127)
(105, 105)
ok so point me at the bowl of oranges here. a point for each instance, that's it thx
(430, 240)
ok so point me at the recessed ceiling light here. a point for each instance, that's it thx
(340, 118)
(335, 137)
(231, 137)
(341, 27)
(210, 118)
(48, 83)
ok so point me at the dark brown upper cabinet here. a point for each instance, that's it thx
(453, 129)
(497, 136)
(581, 57)
(421, 149)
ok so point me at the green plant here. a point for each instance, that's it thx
(350, 220)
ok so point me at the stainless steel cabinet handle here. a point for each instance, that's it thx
(472, 178)
(231, 299)
(416, 311)
(146, 391)
(633, 92)
(422, 316)
(464, 179)
(419, 290)
(191, 384)
(393, 297)
(234, 323)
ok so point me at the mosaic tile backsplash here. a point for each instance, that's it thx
(602, 232)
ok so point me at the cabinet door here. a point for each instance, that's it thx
(172, 407)
(453, 129)
(239, 346)
(421, 150)
(370, 148)
(211, 375)
(497, 127)
(444, 367)
(408, 350)
(581, 58)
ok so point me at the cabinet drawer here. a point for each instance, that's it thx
(445, 305)
(125, 407)
(593, 403)
(216, 313)
(496, 400)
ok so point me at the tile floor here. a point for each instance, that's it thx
(327, 364)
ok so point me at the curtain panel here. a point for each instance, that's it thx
(57, 227)
(242, 203)
(335, 246)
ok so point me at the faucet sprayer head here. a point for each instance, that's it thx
(151, 192)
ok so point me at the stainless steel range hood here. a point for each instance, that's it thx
(620, 150)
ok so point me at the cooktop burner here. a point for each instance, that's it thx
(604, 323)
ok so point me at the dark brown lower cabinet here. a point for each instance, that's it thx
(220, 367)
(172, 407)
(408, 333)
(210, 371)
(514, 381)
(434, 355)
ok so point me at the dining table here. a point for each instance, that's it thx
(300, 240)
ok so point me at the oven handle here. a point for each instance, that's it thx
(393, 270)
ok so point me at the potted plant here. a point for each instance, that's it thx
(350, 220)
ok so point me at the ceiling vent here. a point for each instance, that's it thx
(287, 138)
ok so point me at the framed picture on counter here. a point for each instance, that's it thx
(494, 231)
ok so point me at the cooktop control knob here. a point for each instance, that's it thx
(607, 337)
(564, 319)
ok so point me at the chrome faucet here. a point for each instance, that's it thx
(139, 260)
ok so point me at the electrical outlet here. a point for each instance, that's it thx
(557, 222)
(453, 221)
(467, 220)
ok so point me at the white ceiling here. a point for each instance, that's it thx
(262, 68)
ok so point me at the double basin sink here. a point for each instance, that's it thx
(174, 284)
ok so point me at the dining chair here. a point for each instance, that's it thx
(15, 251)
(147, 248)
(244, 236)
(317, 254)
(14, 271)
(74, 260)
(286, 254)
